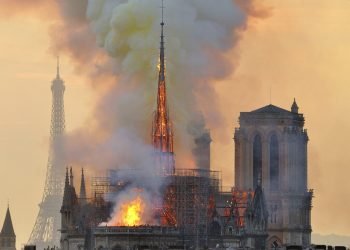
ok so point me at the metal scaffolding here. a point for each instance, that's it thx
(100, 187)
(187, 201)
(193, 190)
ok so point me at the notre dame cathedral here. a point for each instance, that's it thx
(271, 147)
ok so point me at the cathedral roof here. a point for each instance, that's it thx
(7, 228)
(272, 114)
(271, 109)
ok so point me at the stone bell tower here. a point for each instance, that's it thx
(271, 142)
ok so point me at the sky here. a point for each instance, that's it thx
(300, 50)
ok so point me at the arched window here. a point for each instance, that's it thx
(257, 160)
(274, 163)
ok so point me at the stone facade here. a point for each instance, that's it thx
(271, 145)
(143, 237)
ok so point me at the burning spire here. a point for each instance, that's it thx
(162, 132)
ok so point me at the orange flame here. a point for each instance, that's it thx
(132, 212)
(129, 214)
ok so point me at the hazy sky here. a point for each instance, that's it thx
(301, 50)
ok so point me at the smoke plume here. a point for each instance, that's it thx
(116, 43)
(198, 34)
(196, 43)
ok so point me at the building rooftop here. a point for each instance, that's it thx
(271, 109)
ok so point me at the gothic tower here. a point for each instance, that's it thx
(7, 235)
(271, 142)
(68, 210)
(45, 231)
(162, 131)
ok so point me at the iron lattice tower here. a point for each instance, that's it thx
(48, 222)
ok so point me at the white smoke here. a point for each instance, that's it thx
(117, 42)
(198, 33)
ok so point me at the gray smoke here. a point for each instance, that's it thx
(195, 46)
(116, 43)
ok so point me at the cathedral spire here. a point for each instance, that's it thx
(7, 228)
(82, 195)
(162, 134)
(66, 190)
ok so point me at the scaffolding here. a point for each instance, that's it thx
(192, 192)
(188, 201)
(100, 188)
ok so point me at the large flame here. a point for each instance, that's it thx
(131, 212)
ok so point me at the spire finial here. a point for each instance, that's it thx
(71, 177)
(295, 108)
(162, 49)
(67, 177)
(58, 66)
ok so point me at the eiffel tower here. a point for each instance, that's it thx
(48, 222)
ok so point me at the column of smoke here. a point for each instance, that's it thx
(197, 33)
(117, 42)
